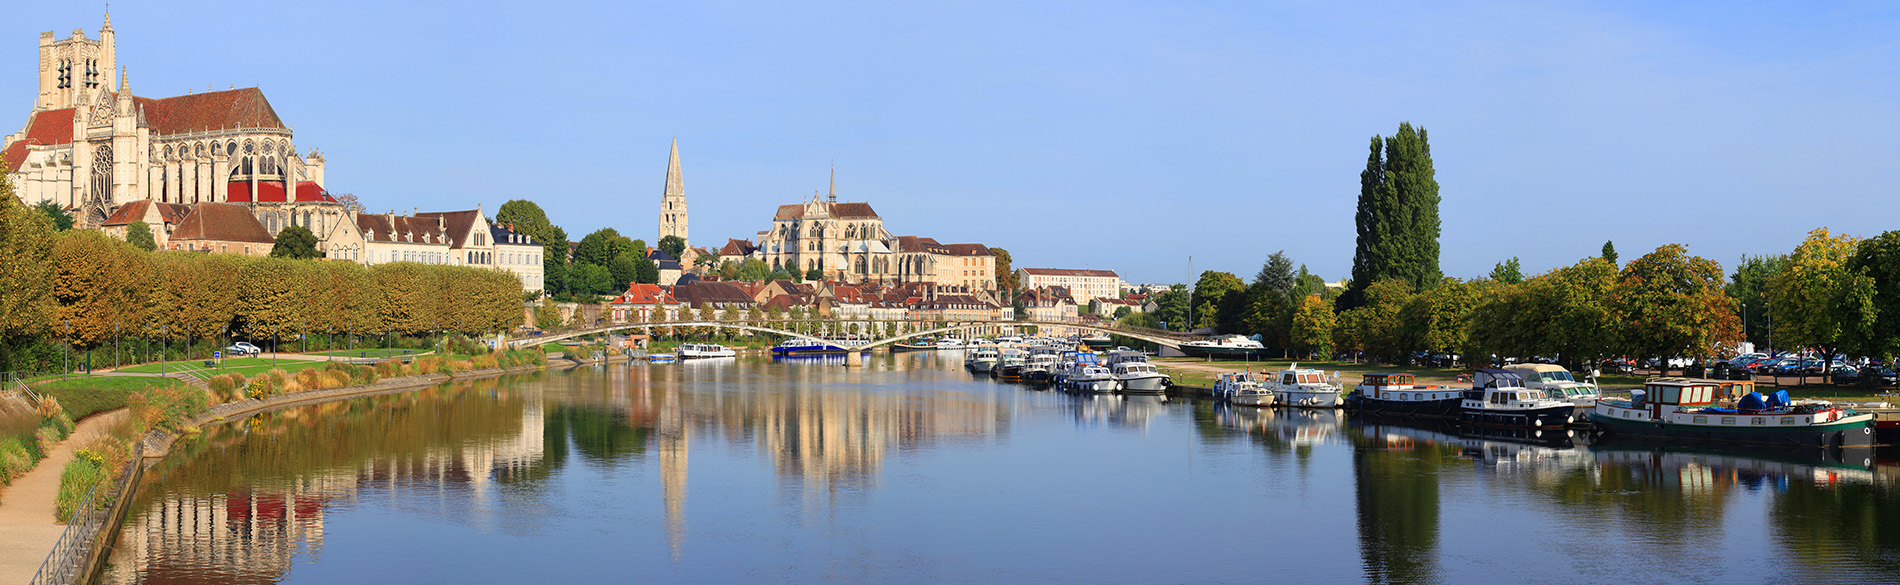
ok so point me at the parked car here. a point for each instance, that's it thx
(243, 347)
(1879, 376)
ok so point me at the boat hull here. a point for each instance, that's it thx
(1553, 417)
(1040, 376)
(1092, 386)
(899, 347)
(1221, 352)
(1251, 400)
(1154, 384)
(1441, 408)
(1856, 431)
(1308, 399)
(982, 366)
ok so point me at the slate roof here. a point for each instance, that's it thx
(838, 210)
(501, 235)
(458, 224)
(397, 228)
(222, 222)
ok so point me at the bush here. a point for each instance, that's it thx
(16, 457)
(226, 387)
(86, 470)
(429, 364)
(334, 379)
(309, 379)
(485, 361)
(363, 375)
(389, 368)
(167, 407)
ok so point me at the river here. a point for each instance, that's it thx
(911, 471)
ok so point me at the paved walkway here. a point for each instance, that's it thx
(27, 530)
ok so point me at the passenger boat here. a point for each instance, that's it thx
(1098, 340)
(1684, 408)
(950, 343)
(1009, 365)
(1557, 384)
(982, 360)
(915, 345)
(1498, 399)
(812, 346)
(1307, 388)
(1223, 346)
(1397, 393)
(1241, 388)
(703, 350)
(1140, 377)
(1092, 379)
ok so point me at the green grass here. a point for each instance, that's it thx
(85, 395)
(248, 366)
(369, 352)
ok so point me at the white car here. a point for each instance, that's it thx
(243, 347)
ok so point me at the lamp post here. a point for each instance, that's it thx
(68, 365)
(115, 345)
(164, 349)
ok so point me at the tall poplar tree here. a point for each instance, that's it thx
(1397, 217)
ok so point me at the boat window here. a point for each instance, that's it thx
(1759, 420)
(1700, 420)
(1728, 420)
(1671, 395)
(1787, 420)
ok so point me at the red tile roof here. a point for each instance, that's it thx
(735, 248)
(209, 111)
(273, 192)
(459, 224)
(644, 294)
(170, 213)
(221, 222)
(838, 210)
(49, 127)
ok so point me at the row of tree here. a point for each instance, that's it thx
(86, 288)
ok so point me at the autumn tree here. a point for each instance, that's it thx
(1375, 326)
(1435, 319)
(1671, 304)
(1818, 300)
(274, 298)
(1006, 277)
(26, 247)
(99, 284)
(1312, 331)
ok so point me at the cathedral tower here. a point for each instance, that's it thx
(673, 200)
(75, 68)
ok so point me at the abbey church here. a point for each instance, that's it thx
(91, 146)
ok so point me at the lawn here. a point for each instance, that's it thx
(84, 395)
(369, 352)
(248, 366)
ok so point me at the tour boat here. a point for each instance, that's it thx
(1223, 346)
(1395, 393)
(950, 343)
(1140, 377)
(982, 360)
(1307, 388)
(1498, 399)
(1684, 408)
(1009, 365)
(1241, 388)
(811, 346)
(922, 345)
(661, 358)
(1098, 340)
(704, 350)
(1092, 379)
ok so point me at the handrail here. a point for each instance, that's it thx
(63, 561)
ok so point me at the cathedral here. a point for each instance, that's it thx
(91, 146)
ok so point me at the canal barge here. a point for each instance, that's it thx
(1684, 408)
(1498, 399)
(704, 350)
(1399, 393)
(811, 346)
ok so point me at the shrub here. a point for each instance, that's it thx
(364, 375)
(16, 457)
(168, 406)
(334, 379)
(86, 470)
(428, 364)
(308, 379)
(485, 361)
(389, 368)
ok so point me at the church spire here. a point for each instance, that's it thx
(674, 184)
(833, 197)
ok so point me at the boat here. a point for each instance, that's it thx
(703, 350)
(1040, 368)
(917, 345)
(661, 358)
(1399, 393)
(982, 360)
(1223, 346)
(813, 346)
(950, 343)
(1498, 399)
(1557, 383)
(1070, 362)
(1009, 364)
(1241, 388)
(1684, 409)
(1308, 388)
(1098, 340)
(1092, 379)
(1137, 376)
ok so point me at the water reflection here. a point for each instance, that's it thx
(909, 470)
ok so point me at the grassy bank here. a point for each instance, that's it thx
(245, 366)
(84, 395)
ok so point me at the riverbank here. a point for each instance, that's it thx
(26, 514)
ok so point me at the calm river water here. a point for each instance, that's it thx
(912, 471)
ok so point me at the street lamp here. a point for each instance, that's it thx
(69, 350)
(164, 349)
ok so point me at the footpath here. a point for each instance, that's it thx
(27, 529)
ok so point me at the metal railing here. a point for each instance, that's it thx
(71, 553)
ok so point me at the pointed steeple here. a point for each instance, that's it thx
(674, 184)
(125, 84)
(833, 197)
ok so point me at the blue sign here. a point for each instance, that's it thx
(217, 355)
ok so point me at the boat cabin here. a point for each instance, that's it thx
(1376, 385)
(1667, 394)
(1296, 376)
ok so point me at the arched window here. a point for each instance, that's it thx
(306, 219)
(102, 174)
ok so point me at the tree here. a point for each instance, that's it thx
(1748, 287)
(1818, 300)
(26, 247)
(625, 268)
(600, 248)
(815, 274)
(1397, 218)
(100, 284)
(592, 279)
(296, 243)
(1006, 278)
(1671, 304)
(673, 246)
(1276, 274)
(1209, 292)
(1171, 307)
(1609, 252)
(1375, 327)
(59, 218)
(1878, 258)
(1312, 333)
(1436, 319)
(1508, 272)
(645, 270)
(351, 204)
(140, 236)
(753, 270)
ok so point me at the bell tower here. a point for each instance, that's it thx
(673, 199)
(76, 67)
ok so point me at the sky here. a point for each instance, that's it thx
(1109, 135)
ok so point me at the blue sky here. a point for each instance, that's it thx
(1126, 136)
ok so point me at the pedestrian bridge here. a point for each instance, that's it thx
(1172, 339)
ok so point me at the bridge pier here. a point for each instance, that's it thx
(853, 359)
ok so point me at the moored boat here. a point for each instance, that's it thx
(813, 346)
(1241, 388)
(1092, 379)
(1098, 340)
(1557, 383)
(703, 350)
(1009, 365)
(1140, 377)
(1399, 393)
(1308, 388)
(982, 360)
(1223, 346)
(1498, 399)
(1040, 368)
(1684, 408)
(661, 358)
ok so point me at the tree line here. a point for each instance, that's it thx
(85, 288)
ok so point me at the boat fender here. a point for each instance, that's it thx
(1570, 420)
(1866, 431)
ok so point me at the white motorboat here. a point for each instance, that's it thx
(1092, 379)
(982, 360)
(1040, 368)
(1241, 388)
(703, 350)
(1137, 376)
(950, 343)
(1557, 384)
(1223, 346)
(1308, 388)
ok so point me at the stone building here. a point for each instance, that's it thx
(673, 199)
(90, 145)
(223, 228)
(1085, 285)
(847, 242)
